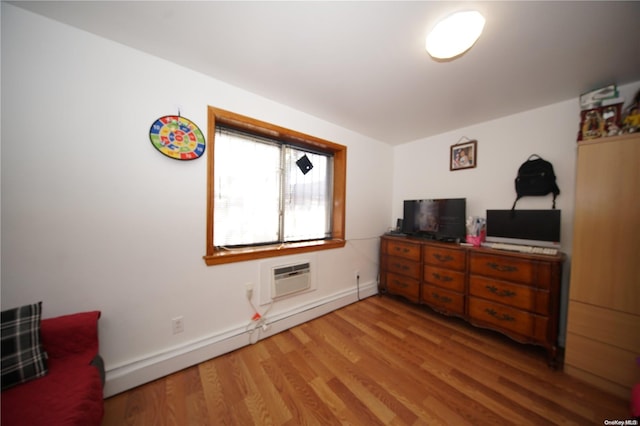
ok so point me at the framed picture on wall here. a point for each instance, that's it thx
(464, 155)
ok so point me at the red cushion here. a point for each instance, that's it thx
(635, 401)
(71, 335)
(71, 394)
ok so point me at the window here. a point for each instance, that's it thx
(262, 196)
(271, 191)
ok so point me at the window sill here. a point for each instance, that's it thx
(221, 256)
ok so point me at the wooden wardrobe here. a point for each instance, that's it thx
(603, 324)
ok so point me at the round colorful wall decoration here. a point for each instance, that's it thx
(177, 138)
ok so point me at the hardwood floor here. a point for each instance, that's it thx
(377, 361)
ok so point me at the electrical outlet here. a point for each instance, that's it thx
(249, 290)
(177, 324)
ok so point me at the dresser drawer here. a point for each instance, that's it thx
(402, 266)
(450, 301)
(404, 286)
(614, 328)
(444, 257)
(447, 278)
(527, 325)
(589, 355)
(403, 249)
(518, 296)
(503, 267)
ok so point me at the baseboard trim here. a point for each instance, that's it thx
(130, 375)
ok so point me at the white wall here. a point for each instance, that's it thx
(421, 168)
(93, 217)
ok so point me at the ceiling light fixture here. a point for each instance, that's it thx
(455, 34)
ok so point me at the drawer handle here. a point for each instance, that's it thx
(402, 249)
(501, 268)
(503, 317)
(501, 293)
(443, 299)
(442, 258)
(400, 284)
(443, 278)
(400, 266)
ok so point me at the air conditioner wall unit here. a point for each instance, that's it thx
(291, 279)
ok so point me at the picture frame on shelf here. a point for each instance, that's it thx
(464, 155)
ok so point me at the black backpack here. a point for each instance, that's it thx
(536, 177)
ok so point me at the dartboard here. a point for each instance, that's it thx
(177, 137)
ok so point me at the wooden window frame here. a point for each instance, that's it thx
(215, 255)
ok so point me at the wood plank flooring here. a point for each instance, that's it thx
(379, 361)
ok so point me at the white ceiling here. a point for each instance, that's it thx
(362, 65)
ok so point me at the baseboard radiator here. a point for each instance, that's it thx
(291, 279)
(134, 373)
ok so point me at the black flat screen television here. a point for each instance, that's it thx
(439, 219)
(528, 227)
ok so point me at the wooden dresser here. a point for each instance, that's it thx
(603, 323)
(513, 293)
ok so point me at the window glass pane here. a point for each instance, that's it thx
(246, 191)
(307, 197)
